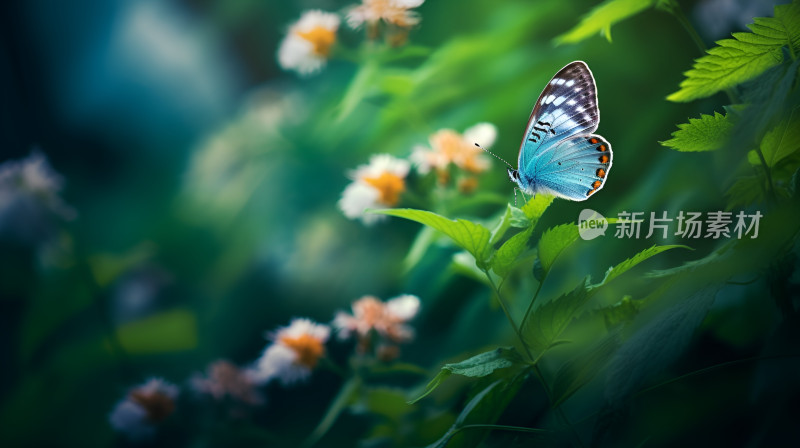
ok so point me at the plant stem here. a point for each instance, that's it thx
(674, 8)
(767, 172)
(530, 305)
(508, 316)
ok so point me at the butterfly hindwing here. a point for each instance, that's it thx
(575, 169)
(566, 107)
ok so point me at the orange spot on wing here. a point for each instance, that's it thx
(603, 159)
(596, 184)
(601, 173)
(602, 148)
(593, 141)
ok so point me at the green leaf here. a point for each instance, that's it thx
(550, 319)
(484, 408)
(747, 190)
(476, 367)
(746, 56)
(579, 370)
(780, 142)
(505, 257)
(474, 238)
(502, 226)
(600, 19)
(166, 332)
(628, 264)
(536, 206)
(707, 133)
(553, 242)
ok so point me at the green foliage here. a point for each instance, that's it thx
(780, 142)
(503, 260)
(628, 264)
(600, 19)
(548, 321)
(578, 371)
(744, 57)
(474, 238)
(554, 241)
(476, 367)
(707, 133)
(484, 408)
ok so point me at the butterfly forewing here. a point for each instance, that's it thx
(566, 107)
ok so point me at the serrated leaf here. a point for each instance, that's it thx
(505, 257)
(550, 319)
(553, 242)
(746, 56)
(628, 264)
(476, 367)
(707, 133)
(600, 19)
(474, 238)
(579, 370)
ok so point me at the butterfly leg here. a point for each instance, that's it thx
(523, 196)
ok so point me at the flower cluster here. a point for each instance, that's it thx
(293, 353)
(381, 183)
(309, 42)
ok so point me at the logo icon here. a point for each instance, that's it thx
(591, 224)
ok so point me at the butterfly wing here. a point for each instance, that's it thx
(566, 107)
(575, 169)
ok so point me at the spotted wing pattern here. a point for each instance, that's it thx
(557, 149)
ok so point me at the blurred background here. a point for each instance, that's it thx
(199, 182)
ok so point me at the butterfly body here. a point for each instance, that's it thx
(560, 155)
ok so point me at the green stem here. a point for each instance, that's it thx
(675, 9)
(767, 172)
(339, 404)
(508, 316)
(530, 305)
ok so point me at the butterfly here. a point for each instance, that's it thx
(560, 155)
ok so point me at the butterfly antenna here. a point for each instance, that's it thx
(495, 156)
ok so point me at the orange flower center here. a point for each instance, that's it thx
(308, 348)
(389, 185)
(321, 38)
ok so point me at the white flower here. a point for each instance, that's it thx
(376, 185)
(448, 146)
(29, 199)
(387, 319)
(138, 415)
(294, 353)
(307, 46)
(395, 12)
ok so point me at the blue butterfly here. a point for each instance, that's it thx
(559, 154)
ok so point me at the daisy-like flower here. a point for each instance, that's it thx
(448, 146)
(226, 380)
(394, 12)
(294, 353)
(387, 319)
(307, 47)
(138, 415)
(376, 185)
